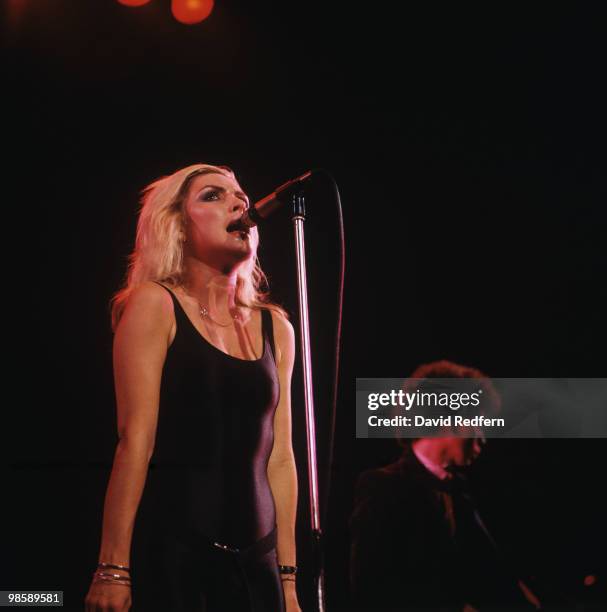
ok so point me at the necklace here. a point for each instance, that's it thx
(205, 314)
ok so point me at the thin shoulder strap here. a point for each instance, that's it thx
(268, 328)
(175, 300)
(163, 286)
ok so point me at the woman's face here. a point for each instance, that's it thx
(213, 203)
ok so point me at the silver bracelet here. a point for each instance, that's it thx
(114, 566)
(117, 578)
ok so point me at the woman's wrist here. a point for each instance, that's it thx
(288, 585)
(112, 573)
(116, 556)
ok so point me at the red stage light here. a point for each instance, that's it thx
(589, 580)
(133, 2)
(191, 11)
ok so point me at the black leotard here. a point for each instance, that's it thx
(204, 538)
(214, 437)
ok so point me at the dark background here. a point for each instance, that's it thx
(468, 144)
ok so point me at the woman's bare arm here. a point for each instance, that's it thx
(282, 472)
(139, 351)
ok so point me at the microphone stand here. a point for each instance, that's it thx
(299, 212)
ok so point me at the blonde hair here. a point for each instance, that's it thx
(158, 252)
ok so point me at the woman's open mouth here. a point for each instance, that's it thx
(238, 229)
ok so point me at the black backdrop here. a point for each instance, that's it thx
(468, 144)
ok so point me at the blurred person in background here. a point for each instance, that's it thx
(417, 539)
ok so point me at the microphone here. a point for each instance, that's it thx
(265, 207)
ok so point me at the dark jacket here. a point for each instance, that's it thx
(417, 543)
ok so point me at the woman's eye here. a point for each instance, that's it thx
(209, 195)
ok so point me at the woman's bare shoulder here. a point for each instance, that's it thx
(280, 321)
(149, 293)
(284, 334)
(149, 304)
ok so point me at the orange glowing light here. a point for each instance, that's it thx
(191, 11)
(133, 2)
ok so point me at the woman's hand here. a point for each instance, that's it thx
(108, 597)
(291, 603)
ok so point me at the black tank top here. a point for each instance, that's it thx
(214, 438)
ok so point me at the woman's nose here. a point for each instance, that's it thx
(238, 204)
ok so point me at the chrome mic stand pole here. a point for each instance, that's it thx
(299, 212)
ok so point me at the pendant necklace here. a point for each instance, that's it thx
(205, 314)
